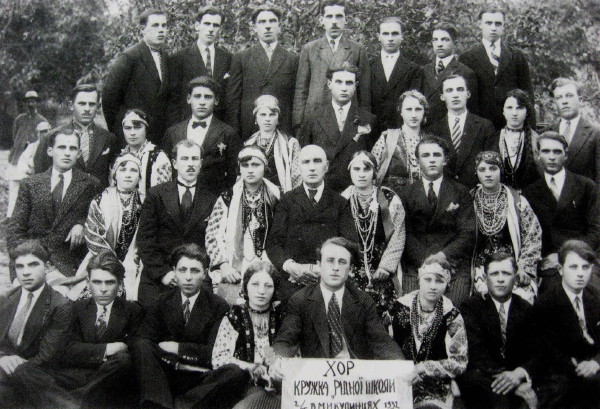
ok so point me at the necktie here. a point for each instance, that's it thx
(196, 124)
(311, 195)
(208, 62)
(57, 193)
(334, 319)
(84, 141)
(567, 131)
(332, 43)
(340, 118)
(502, 317)
(495, 56)
(186, 310)
(456, 134)
(440, 66)
(101, 323)
(186, 201)
(431, 197)
(554, 188)
(269, 51)
(18, 325)
(581, 319)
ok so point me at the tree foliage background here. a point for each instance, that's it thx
(49, 44)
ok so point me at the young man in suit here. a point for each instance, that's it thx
(265, 68)
(340, 127)
(139, 78)
(467, 134)
(499, 67)
(391, 74)
(440, 221)
(173, 213)
(502, 351)
(52, 207)
(582, 136)
(568, 325)
(219, 142)
(35, 322)
(303, 219)
(173, 350)
(98, 146)
(319, 55)
(203, 57)
(566, 204)
(445, 64)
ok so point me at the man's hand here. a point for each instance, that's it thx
(418, 372)
(275, 370)
(76, 236)
(115, 347)
(229, 274)
(171, 347)
(506, 382)
(587, 369)
(9, 363)
(169, 279)
(294, 270)
(381, 274)
(310, 274)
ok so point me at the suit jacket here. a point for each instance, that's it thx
(252, 75)
(103, 150)
(34, 217)
(576, 214)
(84, 348)
(46, 331)
(164, 322)
(321, 128)
(478, 135)
(450, 229)
(405, 76)
(583, 157)
(219, 153)
(311, 82)
(559, 332)
(305, 326)
(187, 64)
(513, 72)
(432, 87)
(133, 81)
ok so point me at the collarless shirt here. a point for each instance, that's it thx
(198, 134)
(320, 189)
(192, 300)
(336, 41)
(100, 310)
(157, 60)
(559, 179)
(389, 62)
(436, 185)
(446, 61)
(181, 189)
(452, 119)
(573, 126)
(54, 179)
(498, 47)
(202, 49)
(23, 301)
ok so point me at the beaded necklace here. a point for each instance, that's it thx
(365, 220)
(265, 143)
(131, 209)
(518, 152)
(428, 337)
(491, 210)
(254, 204)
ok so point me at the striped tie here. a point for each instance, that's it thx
(101, 323)
(208, 62)
(84, 140)
(15, 332)
(567, 131)
(456, 134)
(334, 319)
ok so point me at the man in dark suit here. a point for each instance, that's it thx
(98, 146)
(440, 221)
(445, 64)
(566, 204)
(582, 136)
(52, 207)
(568, 325)
(173, 213)
(391, 74)
(34, 323)
(502, 351)
(140, 78)
(219, 142)
(173, 351)
(467, 134)
(340, 127)
(499, 67)
(319, 55)
(303, 219)
(265, 68)
(193, 62)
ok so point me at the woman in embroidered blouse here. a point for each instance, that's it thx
(517, 141)
(239, 223)
(379, 220)
(395, 149)
(155, 164)
(282, 150)
(431, 332)
(505, 222)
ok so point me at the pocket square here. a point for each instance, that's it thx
(452, 207)
(105, 152)
(226, 76)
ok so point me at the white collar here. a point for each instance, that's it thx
(271, 45)
(67, 175)
(99, 308)
(339, 295)
(208, 120)
(36, 293)
(192, 299)
(487, 44)
(320, 189)
(202, 47)
(463, 116)
(385, 55)
(436, 184)
(345, 107)
(573, 121)
(184, 183)
(505, 303)
(559, 178)
(571, 294)
(446, 60)
(336, 40)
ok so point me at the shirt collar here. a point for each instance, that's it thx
(202, 47)
(571, 294)
(345, 107)
(66, 175)
(272, 45)
(339, 295)
(394, 56)
(487, 44)
(446, 60)
(573, 121)
(320, 189)
(192, 299)
(82, 126)
(100, 308)
(152, 50)
(559, 178)
(36, 293)
(505, 303)
(184, 183)
(436, 183)
(452, 116)
(208, 120)
(336, 40)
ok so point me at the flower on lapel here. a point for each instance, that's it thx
(362, 130)
(226, 76)
(221, 147)
(452, 207)
(105, 152)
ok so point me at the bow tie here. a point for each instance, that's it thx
(196, 124)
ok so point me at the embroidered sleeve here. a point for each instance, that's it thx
(224, 346)
(393, 252)
(456, 349)
(295, 164)
(531, 239)
(215, 234)
(379, 149)
(161, 170)
(95, 229)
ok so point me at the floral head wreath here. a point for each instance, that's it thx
(435, 269)
(127, 157)
(490, 157)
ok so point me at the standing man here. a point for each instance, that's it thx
(581, 135)
(499, 67)
(445, 64)
(140, 79)
(267, 68)
(319, 55)
(201, 58)
(391, 74)
(466, 133)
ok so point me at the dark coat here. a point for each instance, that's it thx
(34, 217)
(252, 75)
(187, 64)
(321, 128)
(305, 326)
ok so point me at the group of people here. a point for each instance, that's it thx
(243, 209)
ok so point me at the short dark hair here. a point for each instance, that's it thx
(206, 82)
(432, 139)
(258, 267)
(497, 257)
(328, 3)
(33, 247)
(345, 66)
(452, 77)
(186, 143)
(150, 12)
(349, 245)
(265, 7)
(553, 136)
(141, 113)
(105, 260)
(524, 101)
(448, 28)
(561, 82)
(68, 131)
(392, 19)
(211, 10)
(579, 247)
(190, 250)
(491, 9)
(84, 88)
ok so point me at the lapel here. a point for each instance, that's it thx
(72, 194)
(174, 316)
(146, 57)
(8, 310)
(116, 321)
(301, 198)
(199, 210)
(343, 51)
(569, 191)
(331, 131)
(349, 131)
(318, 315)
(591, 311)
(505, 59)
(493, 321)
(324, 203)
(212, 134)
(484, 62)
(580, 137)
(349, 314)
(195, 63)
(570, 318)
(444, 199)
(170, 198)
(36, 319)
(98, 144)
(261, 61)
(276, 60)
(221, 67)
(88, 325)
(437, 80)
(468, 138)
(397, 72)
(199, 316)
(325, 52)
(45, 195)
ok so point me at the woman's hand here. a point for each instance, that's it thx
(381, 274)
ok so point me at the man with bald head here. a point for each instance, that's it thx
(304, 218)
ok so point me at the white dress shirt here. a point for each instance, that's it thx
(54, 179)
(498, 48)
(339, 296)
(100, 309)
(21, 305)
(389, 62)
(319, 191)
(335, 40)
(342, 116)
(199, 133)
(506, 306)
(563, 125)
(436, 185)
(462, 119)
(192, 300)
(559, 179)
(157, 61)
(271, 47)
(446, 61)
(202, 48)
(181, 189)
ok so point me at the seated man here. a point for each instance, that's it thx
(174, 349)
(34, 323)
(568, 322)
(502, 357)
